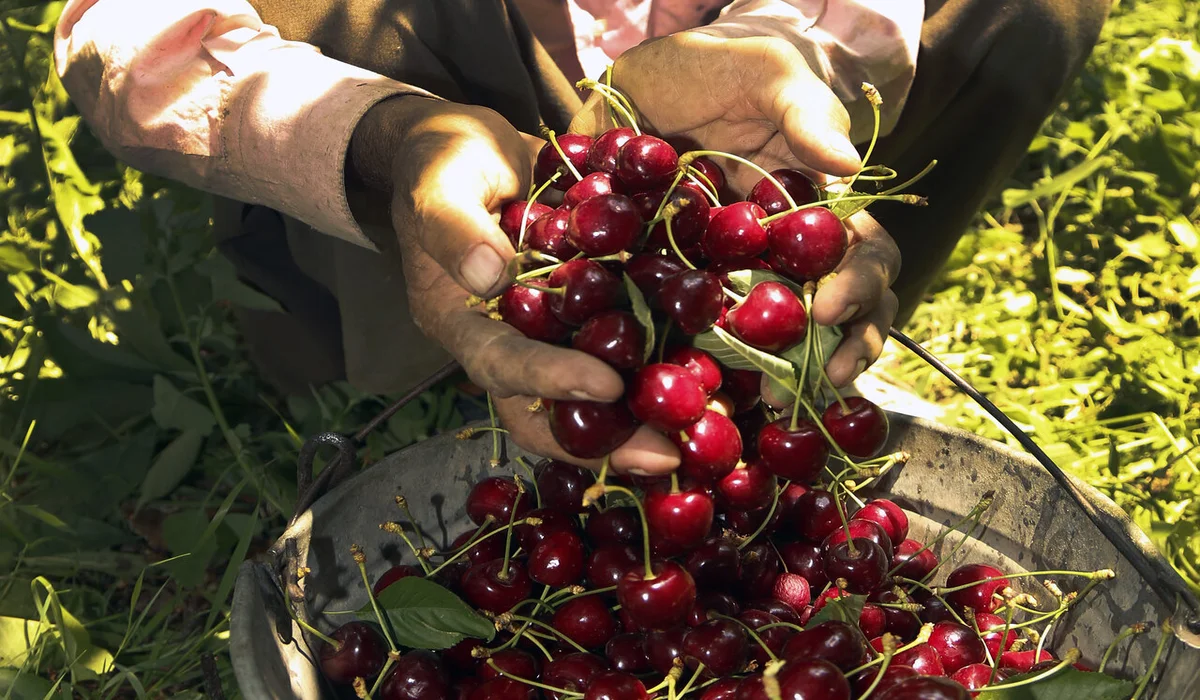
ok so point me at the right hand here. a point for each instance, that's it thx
(452, 168)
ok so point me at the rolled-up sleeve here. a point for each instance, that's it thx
(846, 43)
(203, 92)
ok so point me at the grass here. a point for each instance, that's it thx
(141, 458)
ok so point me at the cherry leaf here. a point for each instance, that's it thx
(423, 615)
(1067, 684)
(742, 281)
(829, 337)
(641, 310)
(846, 609)
(735, 354)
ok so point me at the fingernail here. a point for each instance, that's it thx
(847, 314)
(584, 396)
(858, 369)
(639, 472)
(481, 269)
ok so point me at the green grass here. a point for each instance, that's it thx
(141, 458)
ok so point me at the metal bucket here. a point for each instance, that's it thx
(1033, 525)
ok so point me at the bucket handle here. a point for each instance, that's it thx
(1162, 580)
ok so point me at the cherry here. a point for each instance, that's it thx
(734, 233)
(510, 218)
(749, 487)
(703, 367)
(484, 550)
(1024, 661)
(688, 224)
(982, 597)
(827, 595)
(393, 575)
(743, 386)
(860, 429)
(872, 621)
(720, 603)
(902, 623)
(798, 455)
(558, 561)
(760, 567)
(893, 675)
(460, 658)
(571, 672)
(604, 225)
(724, 689)
(627, 653)
(923, 659)
(530, 536)
(775, 638)
(592, 185)
(864, 566)
(602, 156)
(660, 601)
(866, 529)
(715, 565)
(666, 397)
(614, 685)
(418, 675)
(926, 689)
(766, 195)
(909, 564)
(502, 689)
(549, 235)
(575, 147)
(512, 661)
(678, 520)
(528, 310)
(976, 676)
(712, 449)
(692, 300)
(362, 652)
(488, 587)
(804, 558)
(664, 646)
(586, 620)
(807, 244)
(712, 171)
(720, 645)
(800, 679)
(615, 337)
(748, 522)
(834, 641)
(589, 429)
(956, 645)
(645, 162)
(608, 563)
(771, 318)
(587, 288)
(619, 525)
(995, 633)
(933, 608)
(816, 514)
(495, 496)
(562, 484)
(779, 609)
(792, 589)
(887, 515)
(649, 272)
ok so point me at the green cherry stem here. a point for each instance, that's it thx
(749, 630)
(535, 684)
(318, 634)
(532, 478)
(875, 101)
(491, 404)
(361, 560)
(645, 527)
(533, 195)
(402, 502)
(1100, 574)
(662, 205)
(503, 574)
(699, 179)
(1134, 629)
(562, 154)
(825, 376)
(912, 180)
(913, 199)
(687, 158)
(889, 650)
(770, 513)
(675, 246)
(934, 593)
(397, 529)
(809, 332)
(465, 548)
(687, 687)
(922, 638)
(614, 99)
(977, 512)
(556, 634)
(1069, 658)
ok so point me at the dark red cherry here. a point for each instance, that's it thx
(774, 637)
(1024, 661)
(561, 486)
(748, 522)
(872, 621)
(956, 645)
(933, 608)
(587, 287)
(490, 587)
(592, 185)
(749, 487)
(994, 631)
(530, 536)
(902, 623)
(804, 558)
(926, 689)
(602, 156)
(735, 234)
(666, 397)
(766, 195)
(724, 689)
(627, 653)
(721, 645)
(800, 680)
(712, 449)
(708, 603)
(689, 221)
(716, 565)
(483, 550)
(692, 300)
(864, 566)
(792, 589)
(619, 525)
(771, 318)
(760, 567)
(589, 429)
(703, 367)
(837, 642)
(586, 620)
(659, 602)
(513, 661)
(558, 560)
(912, 560)
(362, 653)
(575, 147)
(571, 672)
(865, 529)
(604, 225)
(418, 675)
(983, 596)
(893, 675)
(608, 563)
(512, 213)
(712, 173)
(827, 595)
(528, 310)
(650, 271)
(807, 244)
(502, 689)
(743, 386)
(664, 646)
(778, 608)
(922, 658)
(860, 428)
(816, 514)
(393, 575)
(646, 162)
(460, 658)
(798, 455)
(495, 496)
(549, 235)
(615, 337)
(614, 685)
(678, 521)
(887, 515)
(976, 676)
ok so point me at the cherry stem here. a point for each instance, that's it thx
(905, 198)
(995, 661)
(699, 179)
(662, 344)
(533, 639)
(766, 520)
(977, 512)
(825, 376)
(816, 418)
(934, 593)
(1102, 574)
(537, 272)
(318, 634)
(675, 481)
(808, 345)
(566, 162)
(383, 623)
(875, 101)
(922, 638)
(781, 623)
(383, 673)
(535, 684)
(687, 158)
(662, 205)
(1136, 628)
(1071, 657)
(889, 650)
(645, 527)
(403, 503)
(532, 478)
(737, 298)
(398, 530)
(533, 195)
(466, 547)
(749, 630)
(884, 173)
(912, 180)
(517, 635)
(837, 505)
(675, 246)
(508, 538)
(557, 635)
(687, 687)
(491, 405)
(573, 596)
(616, 100)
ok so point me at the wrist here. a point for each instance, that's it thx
(377, 139)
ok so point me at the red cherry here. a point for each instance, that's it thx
(816, 514)
(558, 560)
(887, 515)
(488, 587)
(461, 659)
(608, 563)
(792, 589)
(513, 661)
(627, 653)
(743, 386)
(484, 550)
(864, 529)
(807, 244)
(724, 689)
(956, 645)
(586, 620)
(666, 397)
(361, 654)
(549, 235)
(779, 609)
(502, 689)
(982, 597)
(760, 567)
(588, 289)
(688, 224)
(703, 367)
(592, 185)
(902, 623)
(734, 233)
(589, 429)
(614, 526)
(893, 675)
(715, 565)
(837, 642)
(646, 162)
(909, 564)
(615, 337)
(495, 496)
(747, 488)
(748, 522)
(571, 672)
(933, 609)
(678, 521)
(712, 449)
(511, 214)
(766, 195)
(798, 455)
(771, 318)
(719, 603)
(861, 429)
(711, 171)
(561, 486)
(604, 225)
(923, 659)
(575, 147)
(664, 646)
(775, 637)
(614, 685)
(393, 575)
(926, 689)
(528, 310)
(1024, 661)
(418, 675)
(864, 567)
(804, 558)
(800, 680)
(602, 156)
(721, 645)
(872, 621)
(530, 536)
(976, 676)
(659, 602)
(827, 595)
(995, 633)
(692, 299)
(649, 272)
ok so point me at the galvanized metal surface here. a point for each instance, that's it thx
(1032, 525)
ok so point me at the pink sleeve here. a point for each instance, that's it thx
(846, 43)
(203, 92)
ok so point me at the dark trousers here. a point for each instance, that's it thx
(988, 74)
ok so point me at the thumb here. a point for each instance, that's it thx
(593, 118)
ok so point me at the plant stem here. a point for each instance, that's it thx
(383, 622)
(766, 520)
(495, 431)
(533, 195)
(550, 629)
(645, 528)
(1137, 628)
(688, 157)
(749, 630)
(1071, 657)
(535, 684)
(318, 633)
(906, 198)
(562, 154)
(675, 246)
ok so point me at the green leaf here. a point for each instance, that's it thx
(1067, 684)
(174, 410)
(742, 281)
(227, 287)
(171, 466)
(641, 310)
(45, 516)
(829, 337)
(184, 532)
(1014, 198)
(20, 685)
(735, 354)
(846, 609)
(426, 616)
(13, 259)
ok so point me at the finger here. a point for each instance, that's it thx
(772, 399)
(868, 269)
(593, 119)
(863, 342)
